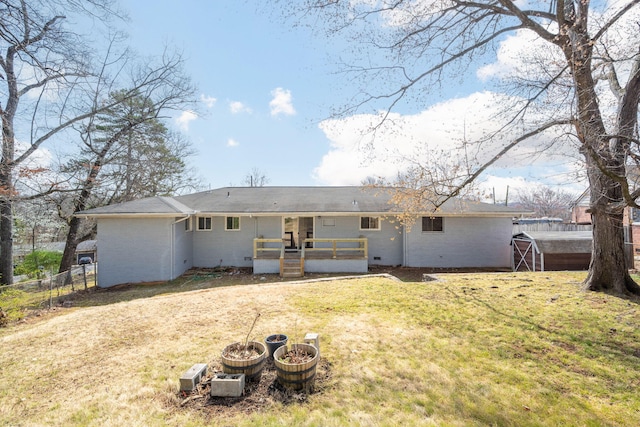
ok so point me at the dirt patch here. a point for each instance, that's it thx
(239, 351)
(239, 276)
(416, 274)
(207, 278)
(258, 395)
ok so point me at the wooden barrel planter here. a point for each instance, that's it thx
(296, 376)
(251, 367)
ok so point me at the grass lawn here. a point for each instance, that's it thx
(503, 349)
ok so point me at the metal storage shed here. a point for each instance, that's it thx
(551, 250)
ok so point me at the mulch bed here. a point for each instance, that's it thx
(258, 394)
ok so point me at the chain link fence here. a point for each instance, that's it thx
(19, 300)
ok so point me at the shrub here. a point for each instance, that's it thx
(37, 262)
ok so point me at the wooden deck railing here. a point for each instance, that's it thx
(358, 247)
(259, 246)
(293, 266)
(355, 247)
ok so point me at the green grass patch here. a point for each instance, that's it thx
(525, 349)
(502, 349)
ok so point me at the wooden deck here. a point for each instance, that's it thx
(344, 248)
(319, 255)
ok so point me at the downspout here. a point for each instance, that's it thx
(254, 251)
(173, 251)
(255, 227)
(173, 244)
(513, 254)
(404, 245)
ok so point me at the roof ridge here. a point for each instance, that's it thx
(174, 204)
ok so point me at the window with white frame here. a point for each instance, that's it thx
(232, 223)
(432, 223)
(187, 224)
(369, 223)
(205, 223)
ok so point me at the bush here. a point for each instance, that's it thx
(37, 262)
(12, 302)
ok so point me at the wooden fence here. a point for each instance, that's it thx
(550, 226)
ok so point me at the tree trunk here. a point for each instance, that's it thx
(68, 256)
(6, 243)
(605, 160)
(608, 270)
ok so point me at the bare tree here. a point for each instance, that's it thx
(256, 178)
(36, 223)
(580, 87)
(44, 69)
(127, 151)
(546, 202)
(54, 79)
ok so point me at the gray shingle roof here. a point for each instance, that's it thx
(87, 246)
(150, 206)
(560, 242)
(286, 200)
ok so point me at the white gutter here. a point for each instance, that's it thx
(131, 215)
(182, 219)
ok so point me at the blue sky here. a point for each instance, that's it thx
(272, 85)
(267, 90)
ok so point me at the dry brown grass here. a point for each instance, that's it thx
(512, 349)
(118, 364)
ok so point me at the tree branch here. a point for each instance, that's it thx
(501, 153)
(615, 18)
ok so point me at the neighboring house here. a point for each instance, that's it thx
(630, 220)
(292, 230)
(580, 211)
(87, 249)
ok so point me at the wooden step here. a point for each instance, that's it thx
(291, 268)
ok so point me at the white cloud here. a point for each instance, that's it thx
(232, 143)
(519, 57)
(41, 158)
(209, 101)
(237, 107)
(434, 134)
(36, 171)
(281, 102)
(504, 187)
(507, 60)
(185, 119)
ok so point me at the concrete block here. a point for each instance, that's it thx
(190, 379)
(227, 385)
(313, 339)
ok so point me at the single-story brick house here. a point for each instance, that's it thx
(292, 230)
